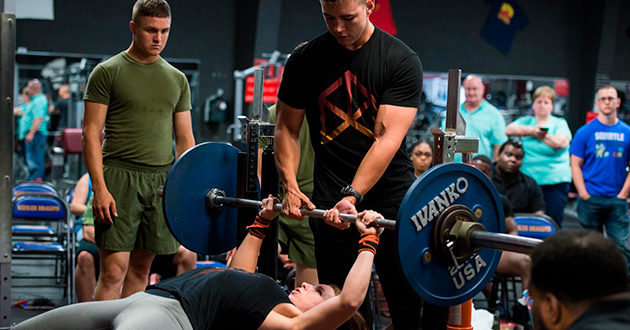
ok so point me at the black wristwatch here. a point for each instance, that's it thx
(349, 191)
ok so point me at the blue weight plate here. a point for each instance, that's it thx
(201, 168)
(442, 186)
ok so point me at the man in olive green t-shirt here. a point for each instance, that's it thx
(141, 101)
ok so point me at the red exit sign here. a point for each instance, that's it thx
(270, 89)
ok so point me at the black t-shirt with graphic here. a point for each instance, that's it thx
(219, 298)
(341, 91)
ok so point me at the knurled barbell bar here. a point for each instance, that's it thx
(472, 237)
(216, 198)
(449, 229)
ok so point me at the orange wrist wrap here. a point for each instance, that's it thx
(368, 242)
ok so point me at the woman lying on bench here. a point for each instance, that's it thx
(235, 298)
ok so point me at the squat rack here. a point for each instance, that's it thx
(7, 62)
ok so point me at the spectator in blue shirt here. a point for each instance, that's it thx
(599, 157)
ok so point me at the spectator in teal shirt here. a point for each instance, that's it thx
(483, 120)
(545, 139)
(33, 130)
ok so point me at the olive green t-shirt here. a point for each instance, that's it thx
(307, 156)
(141, 100)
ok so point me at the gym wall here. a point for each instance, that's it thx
(561, 39)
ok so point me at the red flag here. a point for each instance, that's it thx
(383, 18)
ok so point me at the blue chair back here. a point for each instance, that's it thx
(39, 206)
(537, 226)
(34, 188)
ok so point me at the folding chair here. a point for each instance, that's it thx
(41, 230)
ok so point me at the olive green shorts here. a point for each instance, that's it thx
(298, 237)
(140, 223)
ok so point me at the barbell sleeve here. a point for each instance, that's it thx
(218, 199)
(504, 242)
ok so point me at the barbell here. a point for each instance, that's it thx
(449, 229)
(216, 198)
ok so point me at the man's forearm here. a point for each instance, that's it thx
(374, 164)
(182, 127)
(287, 156)
(94, 160)
(183, 144)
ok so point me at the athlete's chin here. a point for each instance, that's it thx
(344, 40)
(154, 51)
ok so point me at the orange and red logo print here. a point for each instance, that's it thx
(506, 13)
(350, 115)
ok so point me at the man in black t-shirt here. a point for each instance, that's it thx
(359, 88)
(522, 191)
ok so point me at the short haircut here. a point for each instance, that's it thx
(608, 87)
(545, 91)
(514, 142)
(150, 8)
(472, 77)
(427, 141)
(483, 159)
(578, 265)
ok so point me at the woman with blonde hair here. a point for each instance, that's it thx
(233, 298)
(546, 139)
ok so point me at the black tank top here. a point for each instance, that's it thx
(218, 298)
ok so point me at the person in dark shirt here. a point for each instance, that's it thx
(59, 114)
(579, 280)
(359, 89)
(522, 191)
(233, 298)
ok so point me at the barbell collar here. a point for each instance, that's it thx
(216, 198)
(503, 242)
